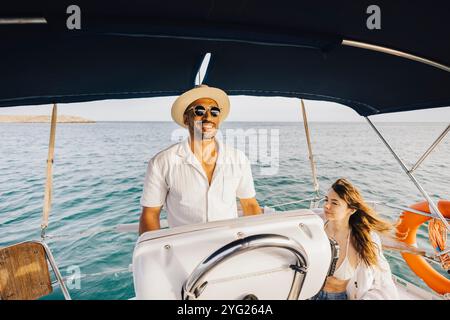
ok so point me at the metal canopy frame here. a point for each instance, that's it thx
(402, 54)
(56, 271)
(409, 172)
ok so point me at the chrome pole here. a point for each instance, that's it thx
(432, 205)
(435, 143)
(56, 271)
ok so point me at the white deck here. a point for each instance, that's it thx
(409, 291)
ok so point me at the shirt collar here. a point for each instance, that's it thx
(184, 151)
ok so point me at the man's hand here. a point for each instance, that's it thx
(149, 219)
(334, 284)
(250, 207)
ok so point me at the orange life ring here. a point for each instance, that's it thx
(409, 223)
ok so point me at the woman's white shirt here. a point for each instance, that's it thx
(371, 283)
(375, 282)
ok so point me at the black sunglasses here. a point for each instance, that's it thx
(200, 111)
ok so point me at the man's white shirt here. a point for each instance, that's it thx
(176, 179)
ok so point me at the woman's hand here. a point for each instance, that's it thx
(334, 284)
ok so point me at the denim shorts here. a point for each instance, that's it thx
(322, 295)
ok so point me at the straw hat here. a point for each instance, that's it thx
(202, 91)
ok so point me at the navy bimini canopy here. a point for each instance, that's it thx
(129, 49)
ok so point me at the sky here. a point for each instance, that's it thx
(243, 108)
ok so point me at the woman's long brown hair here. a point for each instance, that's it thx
(362, 222)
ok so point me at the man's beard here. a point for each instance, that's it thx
(209, 135)
(200, 135)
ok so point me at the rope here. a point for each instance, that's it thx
(79, 234)
(292, 202)
(402, 208)
(437, 233)
(84, 276)
(436, 262)
(248, 275)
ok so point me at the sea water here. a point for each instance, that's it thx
(99, 170)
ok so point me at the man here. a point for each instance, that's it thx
(199, 178)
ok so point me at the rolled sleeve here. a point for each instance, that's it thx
(246, 187)
(155, 187)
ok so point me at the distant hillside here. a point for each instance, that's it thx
(44, 119)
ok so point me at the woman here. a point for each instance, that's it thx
(362, 271)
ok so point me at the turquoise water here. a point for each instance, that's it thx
(99, 170)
